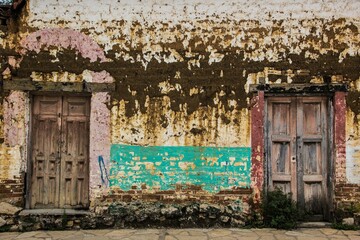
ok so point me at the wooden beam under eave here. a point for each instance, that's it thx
(28, 85)
(298, 88)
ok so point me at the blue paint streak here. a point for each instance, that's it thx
(212, 168)
(103, 170)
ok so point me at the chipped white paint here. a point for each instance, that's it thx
(165, 87)
(220, 25)
(6, 74)
(355, 85)
(251, 79)
(177, 11)
(317, 79)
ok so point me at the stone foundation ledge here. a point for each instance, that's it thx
(128, 215)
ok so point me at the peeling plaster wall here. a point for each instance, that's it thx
(353, 134)
(13, 149)
(182, 71)
(99, 142)
(353, 147)
(15, 126)
(159, 30)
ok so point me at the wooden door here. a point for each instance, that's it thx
(60, 143)
(296, 150)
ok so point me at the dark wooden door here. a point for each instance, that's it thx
(60, 160)
(296, 150)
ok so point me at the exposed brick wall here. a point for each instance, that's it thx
(340, 136)
(183, 194)
(189, 194)
(347, 195)
(344, 192)
(257, 144)
(12, 191)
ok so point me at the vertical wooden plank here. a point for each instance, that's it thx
(330, 159)
(269, 145)
(324, 156)
(293, 158)
(299, 155)
(66, 164)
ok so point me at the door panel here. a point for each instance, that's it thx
(281, 113)
(60, 152)
(45, 151)
(312, 153)
(74, 167)
(297, 149)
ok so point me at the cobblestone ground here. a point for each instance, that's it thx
(187, 234)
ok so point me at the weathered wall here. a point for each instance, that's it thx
(13, 147)
(182, 71)
(353, 134)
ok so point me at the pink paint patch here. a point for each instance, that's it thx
(14, 118)
(102, 77)
(64, 38)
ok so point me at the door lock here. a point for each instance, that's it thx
(293, 158)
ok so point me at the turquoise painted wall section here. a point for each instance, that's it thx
(212, 168)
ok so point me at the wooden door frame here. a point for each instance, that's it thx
(29, 163)
(297, 184)
(336, 95)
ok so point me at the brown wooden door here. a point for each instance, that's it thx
(60, 143)
(296, 150)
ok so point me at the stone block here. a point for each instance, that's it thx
(348, 221)
(8, 209)
(2, 222)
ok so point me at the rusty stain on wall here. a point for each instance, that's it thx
(205, 126)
